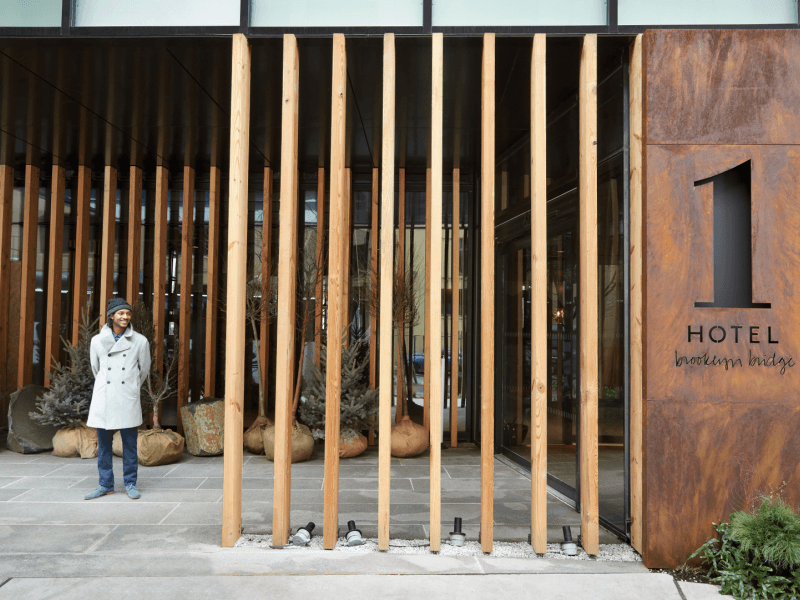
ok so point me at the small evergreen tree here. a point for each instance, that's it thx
(67, 402)
(357, 403)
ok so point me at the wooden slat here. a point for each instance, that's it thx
(336, 238)
(319, 287)
(456, 285)
(235, 296)
(30, 223)
(435, 287)
(287, 271)
(185, 305)
(487, 292)
(214, 201)
(587, 148)
(426, 387)
(134, 233)
(6, 204)
(160, 263)
(56, 264)
(373, 286)
(266, 275)
(539, 327)
(386, 279)
(636, 250)
(107, 247)
(81, 278)
(347, 245)
(401, 276)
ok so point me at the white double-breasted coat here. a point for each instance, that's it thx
(119, 367)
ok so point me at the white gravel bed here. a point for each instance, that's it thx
(608, 552)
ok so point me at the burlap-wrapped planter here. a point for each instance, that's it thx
(153, 446)
(75, 440)
(408, 439)
(204, 426)
(25, 435)
(302, 443)
(351, 445)
(254, 436)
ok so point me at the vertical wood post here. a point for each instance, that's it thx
(387, 283)
(30, 224)
(539, 327)
(587, 119)
(266, 276)
(56, 249)
(347, 245)
(373, 289)
(336, 240)
(319, 287)
(82, 205)
(456, 277)
(214, 201)
(428, 352)
(185, 308)
(400, 391)
(6, 205)
(237, 282)
(287, 272)
(435, 286)
(134, 233)
(487, 292)
(160, 263)
(636, 250)
(109, 234)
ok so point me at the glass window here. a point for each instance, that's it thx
(707, 12)
(32, 13)
(330, 13)
(479, 13)
(156, 13)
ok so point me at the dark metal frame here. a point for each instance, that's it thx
(612, 27)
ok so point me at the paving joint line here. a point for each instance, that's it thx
(680, 591)
(169, 513)
(91, 548)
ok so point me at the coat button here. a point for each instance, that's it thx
(109, 368)
(108, 382)
(123, 368)
(124, 355)
(123, 383)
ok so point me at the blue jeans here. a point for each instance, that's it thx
(130, 458)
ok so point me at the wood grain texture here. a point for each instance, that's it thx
(266, 276)
(81, 278)
(347, 245)
(426, 410)
(134, 233)
(185, 304)
(6, 205)
(736, 87)
(30, 223)
(401, 276)
(212, 294)
(635, 83)
(373, 286)
(235, 297)
(319, 287)
(456, 278)
(160, 264)
(539, 317)
(336, 325)
(434, 315)
(108, 241)
(386, 282)
(587, 150)
(52, 334)
(487, 291)
(287, 285)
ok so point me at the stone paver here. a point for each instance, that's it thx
(701, 591)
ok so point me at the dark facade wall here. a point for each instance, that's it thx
(719, 432)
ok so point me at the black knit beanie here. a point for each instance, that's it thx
(116, 304)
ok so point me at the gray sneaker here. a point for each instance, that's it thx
(99, 491)
(133, 493)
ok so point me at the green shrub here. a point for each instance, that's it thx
(757, 555)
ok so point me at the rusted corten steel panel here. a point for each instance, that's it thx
(723, 87)
(721, 383)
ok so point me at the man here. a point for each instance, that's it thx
(120, 362)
